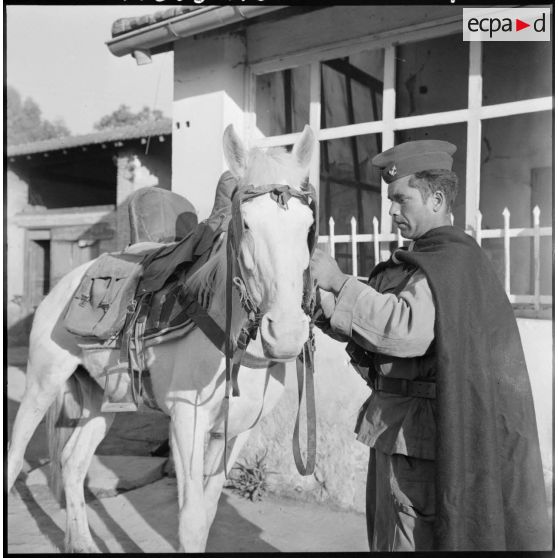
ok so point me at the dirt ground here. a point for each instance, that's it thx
(145, 519)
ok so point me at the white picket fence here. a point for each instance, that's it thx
(379, 240)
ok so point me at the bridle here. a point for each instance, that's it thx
(235, 348)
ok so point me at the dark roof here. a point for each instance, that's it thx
(127, 24)
(158, 128)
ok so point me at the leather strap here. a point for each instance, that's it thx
(198, 314)
(228, 341)
(406, 388)
(305, 379)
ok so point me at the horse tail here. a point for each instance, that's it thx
(63, 418)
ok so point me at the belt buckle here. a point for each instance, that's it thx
(405, 387)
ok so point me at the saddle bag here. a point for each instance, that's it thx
(106, 293)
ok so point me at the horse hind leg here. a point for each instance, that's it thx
(71, 456)
(45, 376)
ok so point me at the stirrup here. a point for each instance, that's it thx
(118, 397)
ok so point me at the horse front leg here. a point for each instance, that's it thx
(214, 468)
(76, 458)
(188, 429)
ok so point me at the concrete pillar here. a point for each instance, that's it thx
(14, 246)
(209, 94)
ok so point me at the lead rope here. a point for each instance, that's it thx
(305, 379)
(228, 346)
(305, 382)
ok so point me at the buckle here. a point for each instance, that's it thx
(404, 387)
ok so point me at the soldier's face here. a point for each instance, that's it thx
(412, 215)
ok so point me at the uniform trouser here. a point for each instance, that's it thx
(400, 502)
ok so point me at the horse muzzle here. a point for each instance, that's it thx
(282, 339)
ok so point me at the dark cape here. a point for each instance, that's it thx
(490, 490)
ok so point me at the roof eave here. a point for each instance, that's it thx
(191, 23)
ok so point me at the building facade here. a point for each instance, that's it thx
(66, 204)
(366, 78)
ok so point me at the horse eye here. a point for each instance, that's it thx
(246, 227)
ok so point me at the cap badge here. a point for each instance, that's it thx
(392, 171)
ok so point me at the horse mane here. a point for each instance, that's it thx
(271, 166)
(207, 279)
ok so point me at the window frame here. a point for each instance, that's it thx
(472, 115)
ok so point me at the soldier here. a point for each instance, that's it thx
(454, 461)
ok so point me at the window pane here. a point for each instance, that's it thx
(516, 173)
(283, 101)
(515, 71)
(350, 186)
(352, 89)
(432, 76)
(456, 134)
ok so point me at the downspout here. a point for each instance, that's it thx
(139, 42)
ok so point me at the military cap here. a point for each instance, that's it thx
(414, 156)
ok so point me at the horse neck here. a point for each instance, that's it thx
(217, 310)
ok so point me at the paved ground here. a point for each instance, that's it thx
(144, 519)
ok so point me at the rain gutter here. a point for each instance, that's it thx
(139, 42)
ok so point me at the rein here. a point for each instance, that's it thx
(305, 361)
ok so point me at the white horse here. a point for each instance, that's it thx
(187, 373)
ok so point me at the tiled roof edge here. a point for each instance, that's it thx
(127, 24)
(123, 133)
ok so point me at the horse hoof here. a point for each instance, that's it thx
(86, 548)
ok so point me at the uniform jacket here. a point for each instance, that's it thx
(490, 491)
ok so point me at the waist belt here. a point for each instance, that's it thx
(408, 388)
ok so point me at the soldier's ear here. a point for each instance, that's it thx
(438, 201)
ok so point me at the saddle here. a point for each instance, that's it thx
(128, 297)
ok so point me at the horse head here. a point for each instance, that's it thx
(273, 240)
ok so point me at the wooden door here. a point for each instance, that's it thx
(38, 266)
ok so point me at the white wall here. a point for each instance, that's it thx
(209, 94)
(536, 337)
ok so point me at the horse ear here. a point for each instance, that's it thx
(303, 148)
(235, 154)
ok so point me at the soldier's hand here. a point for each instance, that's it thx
(326, 272)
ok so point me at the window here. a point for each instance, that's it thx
(493, 100)
(515, 71)
(282, 101)
(516, 160)
(431, 76)
(352, 89)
